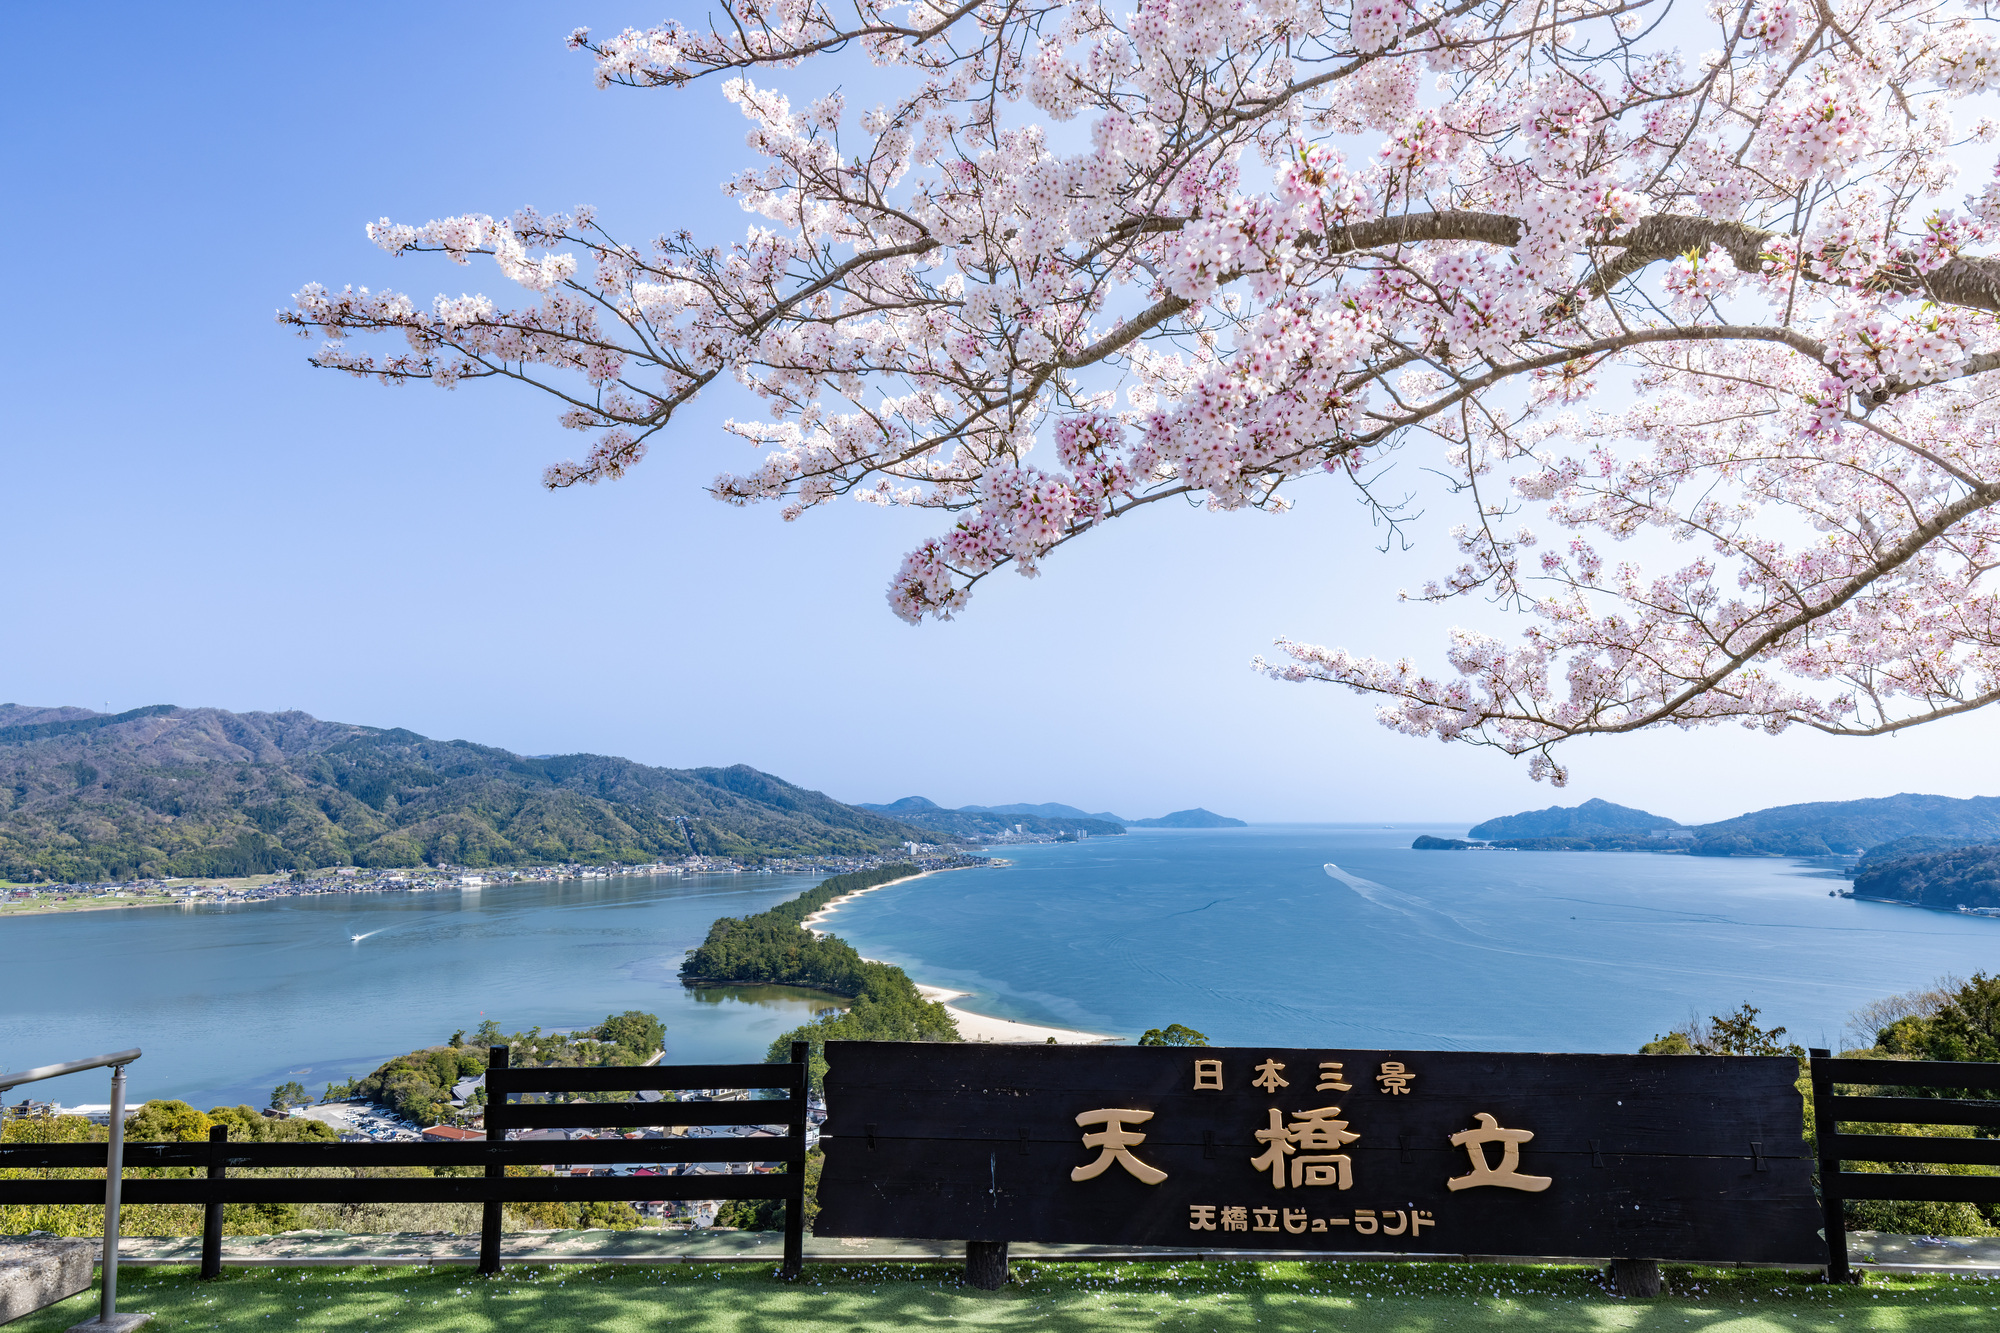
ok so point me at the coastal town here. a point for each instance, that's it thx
(31, 898)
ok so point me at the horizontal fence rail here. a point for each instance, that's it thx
(1832, 1109)
(492, 1187)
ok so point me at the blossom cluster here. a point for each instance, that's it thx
(1205, 250)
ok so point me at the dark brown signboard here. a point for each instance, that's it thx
(1426, 1152)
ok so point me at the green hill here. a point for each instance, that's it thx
(1195, 818)
(201, 791)
(1820, 827)
(1592, 820)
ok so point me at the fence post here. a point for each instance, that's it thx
(496, 1132)
(795, 1194)
(1832, 1206)
(211, 1213)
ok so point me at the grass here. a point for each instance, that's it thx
(1046, 1298)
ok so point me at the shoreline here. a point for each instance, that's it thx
(973, 1026)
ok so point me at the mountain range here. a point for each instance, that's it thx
(202, 791)
(1884, 828)
(972, 821)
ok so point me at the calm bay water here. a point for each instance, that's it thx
(1240, 934)
(1236, 932)
(229, 1001)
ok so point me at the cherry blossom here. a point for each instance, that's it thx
(1701, 285)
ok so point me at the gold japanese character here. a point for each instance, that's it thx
(1208, 1076)
(1418, 1221)
(1507, 1174)
(1267, 1077)
(1316, 1131)
(1402, 1222)
(1201, 1217)
(1295, 1220)
(1394, 1078)
(1235, 1219)
(1267, 1219)
(1115, 1143)
(1364, 1221)
(1330, 1076)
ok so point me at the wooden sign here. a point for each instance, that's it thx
(1429, 1152)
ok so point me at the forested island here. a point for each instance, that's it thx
(775, 948)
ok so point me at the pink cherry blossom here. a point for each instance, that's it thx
(1694, 313)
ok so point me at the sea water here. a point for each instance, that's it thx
(1238, 933)
(229, 1001)
(1242, 935)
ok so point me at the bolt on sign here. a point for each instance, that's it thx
(1416, 1152)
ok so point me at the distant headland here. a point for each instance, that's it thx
(976, 821)
(1933, 851)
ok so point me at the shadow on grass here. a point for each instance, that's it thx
(1249, 1297)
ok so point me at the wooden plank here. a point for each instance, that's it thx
(1658, 1104)
(344, 1156)
(1687, 1158)
(638, 1078)
(1909, 1148)
(617, 1115)
(1897, 1185)
(1912, 1073)
(407, 1189)
(1663, 1208)
(1914, 1111)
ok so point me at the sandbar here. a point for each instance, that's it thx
(972, 1026)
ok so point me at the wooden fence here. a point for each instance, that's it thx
(494, 1188)
(1831, 1109)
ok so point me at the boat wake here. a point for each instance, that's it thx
(358, 938)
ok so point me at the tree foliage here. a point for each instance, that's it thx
(418, 1086)
(776, 948)
(1173, 1034)
(1738, 1033)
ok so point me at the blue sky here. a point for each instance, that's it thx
(195, 516)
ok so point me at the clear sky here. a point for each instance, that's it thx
(195, 516)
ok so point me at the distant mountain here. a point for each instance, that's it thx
(1821, 827)
(201, 791)
(1195, 818)
(1963, 877)
(1593, 819)
(1048, 810)
(976, 822)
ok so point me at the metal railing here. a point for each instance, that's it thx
(114, 1160)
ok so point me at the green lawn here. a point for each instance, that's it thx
(1046, 1298)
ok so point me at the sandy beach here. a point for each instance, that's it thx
(974, 1027)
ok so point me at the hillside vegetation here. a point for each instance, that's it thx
(201, 791)
(418, 1086)
(1962, 877)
